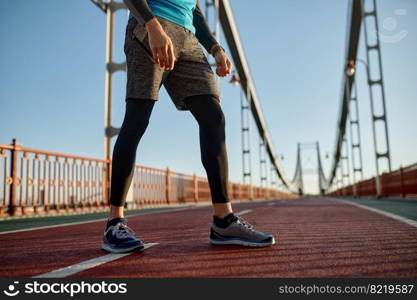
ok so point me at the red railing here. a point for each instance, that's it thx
(398, 183)
(37, 182)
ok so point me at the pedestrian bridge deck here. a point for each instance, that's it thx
(316, 237)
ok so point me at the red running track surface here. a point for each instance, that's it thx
(315, 238)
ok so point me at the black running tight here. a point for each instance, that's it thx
(209, 115)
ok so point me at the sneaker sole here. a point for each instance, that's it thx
(122, 250)
(242, 243)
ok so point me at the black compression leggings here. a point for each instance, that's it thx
(209, 115)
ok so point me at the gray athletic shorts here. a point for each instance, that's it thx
(192, 73)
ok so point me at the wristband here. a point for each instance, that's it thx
(215, 49)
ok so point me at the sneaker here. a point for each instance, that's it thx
(234, 230)
(119, 238)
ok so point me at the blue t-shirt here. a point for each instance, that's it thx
(177, 11)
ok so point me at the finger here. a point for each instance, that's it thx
(223, 63)
(225, 67)
(229, 66)
(222, 67)
(158, 57)
(219, 65)
(171, 49)
(155, 55)
(166, 56)
(220, 72)
(170, 58)
(161, 56)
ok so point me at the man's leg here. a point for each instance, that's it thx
(227, 228)
(136, 120)
(209, 115)
(118, 237)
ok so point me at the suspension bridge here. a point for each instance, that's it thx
(353, 227)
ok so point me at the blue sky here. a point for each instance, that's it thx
(52, 82)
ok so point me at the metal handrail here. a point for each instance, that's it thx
(34, 181)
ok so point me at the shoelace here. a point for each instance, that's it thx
(121, 230)
(245, 223)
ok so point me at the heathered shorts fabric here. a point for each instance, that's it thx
(192, 73)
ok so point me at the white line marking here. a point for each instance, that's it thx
(87, 264)
(96, 220)
(381, 212)
(53, 226)
(243, 212)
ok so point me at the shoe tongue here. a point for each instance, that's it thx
(114, 221)
(232, 217)
(226, 221)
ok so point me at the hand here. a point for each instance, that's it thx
(160, 44)
(223, 63)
